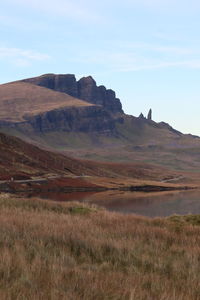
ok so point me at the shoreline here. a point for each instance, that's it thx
(46, 185)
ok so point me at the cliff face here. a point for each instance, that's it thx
(89, 91)
(60, 83)
(85, 89)
(31, 107)
(91, 119)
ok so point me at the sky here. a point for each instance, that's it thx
(147, 51)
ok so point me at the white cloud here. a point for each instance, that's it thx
(21, 57)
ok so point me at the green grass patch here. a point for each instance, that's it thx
(80, 210)
(188, 219)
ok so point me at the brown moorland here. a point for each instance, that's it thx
(23, 160)
(19, 100)
(19, 158)
(26, 169)
(72, 251)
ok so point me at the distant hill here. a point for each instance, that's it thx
(84, 120)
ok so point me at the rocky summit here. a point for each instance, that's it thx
(31, 108)
(85, 89)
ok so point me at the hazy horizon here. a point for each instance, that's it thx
(146, 51)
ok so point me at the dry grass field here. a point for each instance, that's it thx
(21, 99)
(52, 250)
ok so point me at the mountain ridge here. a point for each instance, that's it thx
(39, 110)
(85, 89)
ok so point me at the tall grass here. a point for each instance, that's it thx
(54, 250)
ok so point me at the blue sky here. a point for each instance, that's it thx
(148, 51)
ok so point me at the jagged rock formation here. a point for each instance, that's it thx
(60, 83)
(141, 116)
(89, 91)
(149, 116)
(85, 89)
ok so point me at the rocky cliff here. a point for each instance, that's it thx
(32, 108)
(85, 89)
(91, 119)
(60, 83)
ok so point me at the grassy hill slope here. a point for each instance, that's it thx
(19, 100)
(72, 251)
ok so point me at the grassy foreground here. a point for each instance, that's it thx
(72, 251)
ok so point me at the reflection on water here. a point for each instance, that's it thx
(146, 204)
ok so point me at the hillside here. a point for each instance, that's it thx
(71, 250)
(19, 101)
(23, 161)
(83, 120)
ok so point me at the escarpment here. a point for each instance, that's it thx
(85, 89)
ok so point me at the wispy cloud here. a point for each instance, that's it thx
(142, 56)
(79, 10)
(21, 57)
(162, 48)
(22, 24)
(191, 64)
(166, 5)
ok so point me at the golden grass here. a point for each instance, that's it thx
(19, 99)
(50, 250)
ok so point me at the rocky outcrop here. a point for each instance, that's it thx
(89, 91)
(85, 89)
(91, 119)
(141, 116)
(60, 83)
(149, 116)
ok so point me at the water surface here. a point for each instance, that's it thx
(157, 204)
